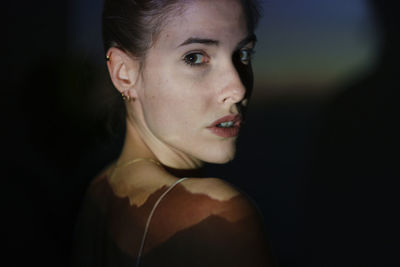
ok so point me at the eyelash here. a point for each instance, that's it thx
(189, 61)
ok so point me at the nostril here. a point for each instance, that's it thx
(234, 95)
(227, 99)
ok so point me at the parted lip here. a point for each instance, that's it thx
(236, 118)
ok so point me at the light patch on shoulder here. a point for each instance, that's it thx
(139, 199)
(140, 183)
(214, 188)
(138, 195)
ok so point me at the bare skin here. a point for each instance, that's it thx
(217, 219)
(207, 215)
(173, 102)
(202, 221)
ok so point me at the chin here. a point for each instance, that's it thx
(222, 161)
(222, 156)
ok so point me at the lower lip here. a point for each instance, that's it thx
(225, 132)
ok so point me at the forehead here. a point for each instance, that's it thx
(222, 20)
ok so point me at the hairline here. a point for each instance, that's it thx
(163, 20)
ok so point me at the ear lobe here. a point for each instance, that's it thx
(123, 69)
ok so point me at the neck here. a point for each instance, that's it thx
(136, 146)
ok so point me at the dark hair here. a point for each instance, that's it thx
(133, 25)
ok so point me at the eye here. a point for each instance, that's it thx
(195, 59)
(245, 55)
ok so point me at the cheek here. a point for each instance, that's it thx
(176, 99)
(181, 112)
(171, 104)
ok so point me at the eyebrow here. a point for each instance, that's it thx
(193, 40)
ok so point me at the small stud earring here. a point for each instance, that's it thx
(125, 96)
(108, 58)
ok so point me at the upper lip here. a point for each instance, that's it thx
(235, 118)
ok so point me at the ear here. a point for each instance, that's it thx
(123, 69)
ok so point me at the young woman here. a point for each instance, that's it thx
(183, 69)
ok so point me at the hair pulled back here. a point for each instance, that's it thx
(132, 25)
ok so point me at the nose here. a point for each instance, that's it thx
(233, 89)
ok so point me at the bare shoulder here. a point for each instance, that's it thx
(214, 188)
(221, 193)
(204, 197)
(208, 216)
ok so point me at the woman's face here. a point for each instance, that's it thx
(195, 77)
